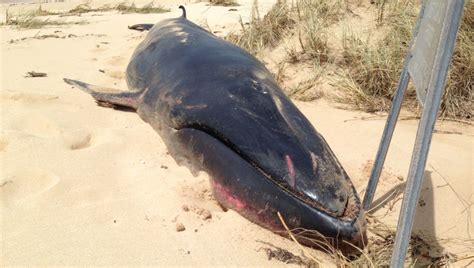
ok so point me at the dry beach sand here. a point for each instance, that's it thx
(86, 185)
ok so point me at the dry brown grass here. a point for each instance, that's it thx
(378, 251)
(85, 8)
(314, 17)
(306, 18)
(266, 32)
(41, 12)
(146, 9)
(306, 90)
(373, 69)
(30, 21)
(368, 69)
(458, 97)
(226, 3)
(122, 7)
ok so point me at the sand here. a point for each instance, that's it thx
(86, 185)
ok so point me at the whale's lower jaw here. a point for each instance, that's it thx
(323, 231)
(237, 185)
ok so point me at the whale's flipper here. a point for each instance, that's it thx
(108, 97)
(141, 27)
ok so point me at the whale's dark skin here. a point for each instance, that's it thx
(219, 110)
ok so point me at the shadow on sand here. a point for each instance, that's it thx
(424, 249)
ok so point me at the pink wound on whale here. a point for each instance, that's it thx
(291, 171)
(227, 195)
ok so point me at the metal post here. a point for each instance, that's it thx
(391, 122)
(425, 133)
(386, 138)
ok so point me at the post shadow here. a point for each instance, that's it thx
(426, 250)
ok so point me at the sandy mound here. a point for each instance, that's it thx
(85, 185)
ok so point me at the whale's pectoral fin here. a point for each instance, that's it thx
(141, 27)
(108, 97)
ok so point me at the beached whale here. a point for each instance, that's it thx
(219, 110)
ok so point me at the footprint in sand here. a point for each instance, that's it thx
(387, 177)
(31, 123)
(198, 190)
(26, 185)
(28, 98)
(115, 74)
(78, 140)
(3, 145)
(34, 124)
(99, 49)
(117, 61)
(199, 194)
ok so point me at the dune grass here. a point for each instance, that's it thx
(32, 20)
(305, 89)
(146, 9)
(314, 17)
(458, 96)
(306, 18)
(85, 8)
(367, 69)
(373, 69)
(42, 12)
(121, 7)
(225, 3)
(266, 32)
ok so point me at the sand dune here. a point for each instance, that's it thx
(86, 185)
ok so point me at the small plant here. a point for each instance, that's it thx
(31, 22)
(305, 90)
(146, 9)
(41, 12)
(85, 8)
(226, 3)
(266, 32)
(315, 16)
(122, 7)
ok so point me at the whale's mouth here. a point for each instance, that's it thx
(345, 211)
